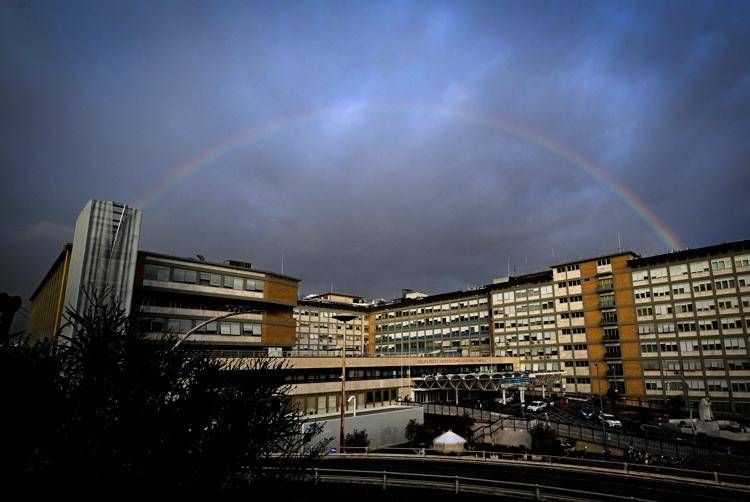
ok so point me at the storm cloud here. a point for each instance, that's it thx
(386, 145)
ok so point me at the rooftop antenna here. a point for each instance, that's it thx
(282, 262)
(508, 267)
(619, 242)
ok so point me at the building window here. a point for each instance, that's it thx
(156, 273)
(253, 285)
(186, 276)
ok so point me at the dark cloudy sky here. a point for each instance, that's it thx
(104, 99)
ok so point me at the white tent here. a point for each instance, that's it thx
(449, 442)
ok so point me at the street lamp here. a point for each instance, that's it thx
(345, 318)
(353, 396)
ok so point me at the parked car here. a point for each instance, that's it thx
(586, 412)
(609, 420)
(508, 399)
(536, 406)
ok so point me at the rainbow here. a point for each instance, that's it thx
(210, 155)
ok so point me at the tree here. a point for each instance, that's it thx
(132, 412)
(357, 439)
(544, 440)
(417, 434)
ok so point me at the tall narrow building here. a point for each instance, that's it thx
(104, 255)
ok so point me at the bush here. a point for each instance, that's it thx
(357, 439)
(417, 434)
(543, 440)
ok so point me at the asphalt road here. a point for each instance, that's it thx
(578, 479)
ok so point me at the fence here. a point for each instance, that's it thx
(458, 484)
(604, 466)
(606, 437)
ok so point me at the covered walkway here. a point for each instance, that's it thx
(463, 384)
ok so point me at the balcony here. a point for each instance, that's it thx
(608, 321)
(604, 286)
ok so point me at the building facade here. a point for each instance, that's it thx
(693, 318)
(319, 333)
(650, 328)
(48, 301)
(103, 258)
(248, 310)
(447, 325)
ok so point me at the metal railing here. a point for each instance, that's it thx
(606, 437)
(457, 484)
(549, 461)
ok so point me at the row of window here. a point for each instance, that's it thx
(523, 309)
(326, 326)
(435, 321)
(179, 326)
(319, 313)
(432, 308)
(684, 288)
(568, 268)
(578, 380)
(710, 385)
(672, 365)
(520, 295)
(705, 344)
(698, 267)
(160, 273)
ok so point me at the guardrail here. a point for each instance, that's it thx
(458, 484)
(549, 461)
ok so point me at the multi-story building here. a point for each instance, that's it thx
(177, 295)
(649, 328)
(449, 325)
(693, 315)
(319, 333)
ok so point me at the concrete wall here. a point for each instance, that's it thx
(384, 427)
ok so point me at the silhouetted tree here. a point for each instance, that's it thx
(417, 434)
(544, 440)
(357, 438)
(112, 408)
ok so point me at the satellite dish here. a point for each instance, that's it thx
(201, 257)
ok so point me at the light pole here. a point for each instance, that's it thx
(353, 396)
(213, 319)
(345, 318)
(599, 386)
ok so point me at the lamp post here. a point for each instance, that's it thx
(345, 318)
(599, 386)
